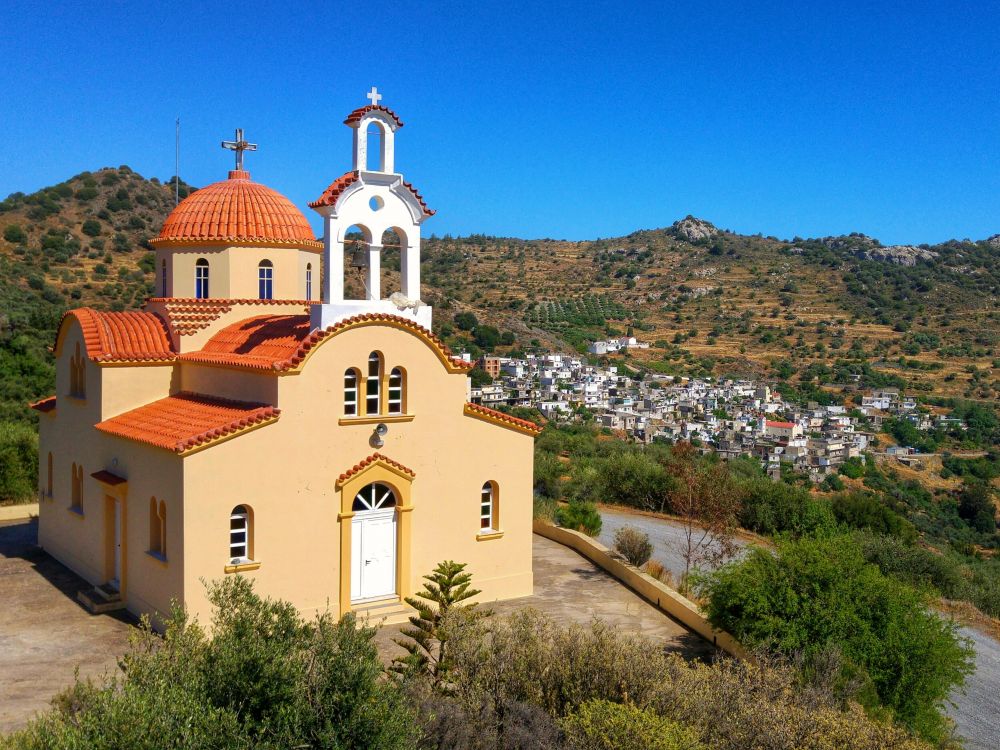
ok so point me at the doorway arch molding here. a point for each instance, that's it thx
(375, 468)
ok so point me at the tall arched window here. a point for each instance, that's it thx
(200, 279)
(77, 374)
(240, 534)
(351, 392)
(373, 384)
(309, 281)
(376, 147)
(158, 528)
(396, 390)
(488, 517)
(163, 278)
(76, 493)
(265, 280)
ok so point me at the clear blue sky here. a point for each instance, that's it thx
(558, 119)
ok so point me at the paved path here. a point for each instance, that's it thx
(976, 712)
(44, 633)
(570, 588)
(667, 536)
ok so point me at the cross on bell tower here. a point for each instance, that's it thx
(239, 146)
(375, 96)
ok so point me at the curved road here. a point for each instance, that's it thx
(977, 709)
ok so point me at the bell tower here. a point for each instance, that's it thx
(372, 198)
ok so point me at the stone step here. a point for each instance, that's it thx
(99, 600)
(383, 612)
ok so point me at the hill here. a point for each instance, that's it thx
(812, 314)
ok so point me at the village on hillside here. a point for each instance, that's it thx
(733, 417)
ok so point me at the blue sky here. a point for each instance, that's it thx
(565, 120)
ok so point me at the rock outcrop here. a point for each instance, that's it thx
(691, 229)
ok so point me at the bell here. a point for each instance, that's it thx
(359, 258)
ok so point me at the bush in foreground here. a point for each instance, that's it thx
(815, 597)
(633, 545)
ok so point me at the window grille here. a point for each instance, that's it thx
(373, 384)
(239, 533)
(486, 507)
(200, 279)
(351, 393)
(265, 280)
(396, 391)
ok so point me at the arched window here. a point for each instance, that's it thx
(200, 279)
(488, 517)
(351, 392)
(396, 391)
(240, 534)
(48, 479)
(265, 280)
(163, 278)
(158, 528)
(375, 496)
(309, 281)
(77, 374)
(76, 493)
(373, 384)
(376, 147)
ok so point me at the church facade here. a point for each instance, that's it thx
(252, 420)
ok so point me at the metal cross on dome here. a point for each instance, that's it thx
(239, 146)
(375, 96)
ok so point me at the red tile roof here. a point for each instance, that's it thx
(121, 336)
(356, 115)
(499, 418)
(188, 316)
(373, 458)
(236, 211)
(186, 421)
(44, 405)
(282, 343)
(332, 194)
(261, 342)
(780, 424)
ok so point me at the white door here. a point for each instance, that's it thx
(373, 553)
(117, 541)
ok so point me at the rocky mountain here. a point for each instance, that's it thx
(710, 300)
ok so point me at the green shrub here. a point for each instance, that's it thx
(18, 463)
(580, 515)
(772, 507)
(863, 510)
(817, 596)
(91, 227)
(14, 234)
(603, 725)
(853, 467)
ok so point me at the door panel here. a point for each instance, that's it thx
(373, 556)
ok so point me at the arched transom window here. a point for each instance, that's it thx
(375, 496)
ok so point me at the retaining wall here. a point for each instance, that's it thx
(655, 592)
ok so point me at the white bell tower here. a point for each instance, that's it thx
(374, 199)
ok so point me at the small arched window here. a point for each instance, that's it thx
(77, 374)
(265, 280)
(163, 278)
(375, 137)
(48, 479)
(240, 534)
(76, 493)
(373, 384)
(158, 528)
(200, 279)
(351, 392)
(309, 281)
(488, 518)
(396, 379)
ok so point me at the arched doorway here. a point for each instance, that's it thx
(373, 543)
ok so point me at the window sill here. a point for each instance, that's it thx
(75, 510)
(488, 534)
(375, 419)
(241, 567)
(158, 556)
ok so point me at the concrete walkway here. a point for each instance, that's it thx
(44, 633)
(570, 588)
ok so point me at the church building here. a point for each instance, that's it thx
(252, 420)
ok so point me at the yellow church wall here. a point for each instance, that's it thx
(224, 382)
(288, 474)
(233, 271)
(129, 387)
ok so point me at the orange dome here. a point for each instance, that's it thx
(236, 211)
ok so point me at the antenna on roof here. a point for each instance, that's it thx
(177, 161)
